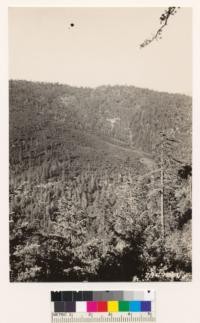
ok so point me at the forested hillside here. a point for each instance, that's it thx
(100, 183)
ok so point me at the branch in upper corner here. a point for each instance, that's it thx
(170, 11)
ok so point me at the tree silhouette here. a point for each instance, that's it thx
(170, 11)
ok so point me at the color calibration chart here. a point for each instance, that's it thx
(103, 306)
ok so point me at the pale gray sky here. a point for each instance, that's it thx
(102, 47)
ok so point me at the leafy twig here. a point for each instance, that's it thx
(170, 11)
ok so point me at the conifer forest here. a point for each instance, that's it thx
(100, 183)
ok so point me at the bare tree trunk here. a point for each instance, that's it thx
(162, 194)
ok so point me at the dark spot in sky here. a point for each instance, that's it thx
(71, 25)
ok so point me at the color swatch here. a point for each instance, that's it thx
(101, 301)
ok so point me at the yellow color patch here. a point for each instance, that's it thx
(113, 306)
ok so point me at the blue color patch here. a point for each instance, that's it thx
(135, 306)
(145, 306)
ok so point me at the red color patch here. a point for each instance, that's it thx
(102, 307)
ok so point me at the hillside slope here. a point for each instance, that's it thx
(135, 116)
(82, 202)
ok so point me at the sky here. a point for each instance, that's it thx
(101, 48)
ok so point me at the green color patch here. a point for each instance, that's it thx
(123, 306)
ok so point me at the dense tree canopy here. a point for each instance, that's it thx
(85, 191)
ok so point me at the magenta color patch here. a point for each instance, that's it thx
(91, 306)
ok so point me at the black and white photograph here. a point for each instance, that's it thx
(100, 144)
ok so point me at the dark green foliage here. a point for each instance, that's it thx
(84, 191)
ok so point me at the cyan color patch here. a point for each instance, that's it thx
(135, 306)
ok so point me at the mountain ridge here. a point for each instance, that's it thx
(114, 111)
(102, 86)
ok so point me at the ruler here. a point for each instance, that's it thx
(101, 318)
